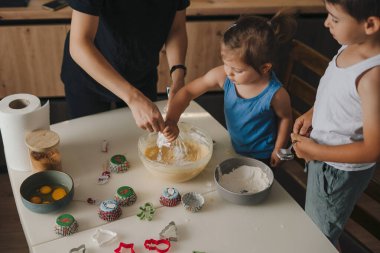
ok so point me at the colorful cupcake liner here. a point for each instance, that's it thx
(65, 225)
(118, 164)
(170, 197)
(109, 210)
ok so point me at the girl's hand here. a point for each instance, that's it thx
(274, 160)
(302, 125)
(303, 146)
(171, 131)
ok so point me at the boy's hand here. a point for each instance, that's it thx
(302, 125)
(171, 131)
(303, 146)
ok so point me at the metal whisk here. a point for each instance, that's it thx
(178, 147)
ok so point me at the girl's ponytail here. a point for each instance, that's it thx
(284, 25)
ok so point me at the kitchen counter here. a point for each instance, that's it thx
(34, 10)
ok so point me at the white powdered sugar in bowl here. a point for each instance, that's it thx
(245, 179)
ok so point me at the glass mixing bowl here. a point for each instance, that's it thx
(179, 170)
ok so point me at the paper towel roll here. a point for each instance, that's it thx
(21, 114)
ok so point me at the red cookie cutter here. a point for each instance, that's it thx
(124, 246)
(152, 244)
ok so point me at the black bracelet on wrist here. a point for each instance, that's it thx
(179, 66)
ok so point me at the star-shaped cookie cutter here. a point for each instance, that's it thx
(124, 246)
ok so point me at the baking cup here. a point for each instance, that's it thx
(118, 164)
(193, 201)
(109, 210)
(170, 197)
(125, 196)
(65, 225)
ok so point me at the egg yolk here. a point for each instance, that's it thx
(45, 189)
(58, 193)
(36, 200)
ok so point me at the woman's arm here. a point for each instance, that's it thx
(176, 47)
(86, 55)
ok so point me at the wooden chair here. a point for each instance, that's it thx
(303, 62)
(297, 86)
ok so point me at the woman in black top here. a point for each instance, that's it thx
(112, 52)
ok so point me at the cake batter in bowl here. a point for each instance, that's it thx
(165, 163)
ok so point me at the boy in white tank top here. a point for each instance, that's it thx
(344, 144)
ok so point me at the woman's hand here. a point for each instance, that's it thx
(146, 113)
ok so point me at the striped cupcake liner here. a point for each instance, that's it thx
(110, 215)
(170, 202)
(66, 230)
(122, 201)
(118, 164)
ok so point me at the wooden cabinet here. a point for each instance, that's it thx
(30, 59)
(31, 41)
(31, 56)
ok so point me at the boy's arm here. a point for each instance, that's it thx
(364, 151)
(281, 106)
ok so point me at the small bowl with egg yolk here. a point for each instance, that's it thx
(47, 191)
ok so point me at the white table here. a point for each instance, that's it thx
(276, 225)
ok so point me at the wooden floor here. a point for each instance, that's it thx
(12, 238)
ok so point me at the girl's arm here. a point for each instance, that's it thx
(281, 106)
(176, 46)
(86, 55)
(364, 151)
(211, 80)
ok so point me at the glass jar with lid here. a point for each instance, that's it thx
(43, 150)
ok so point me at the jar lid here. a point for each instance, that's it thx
(42, 140)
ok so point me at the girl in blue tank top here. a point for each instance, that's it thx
(256, 107)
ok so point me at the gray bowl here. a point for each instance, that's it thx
(228, 166)
(50, 178)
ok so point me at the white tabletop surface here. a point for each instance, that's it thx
(276, 225)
